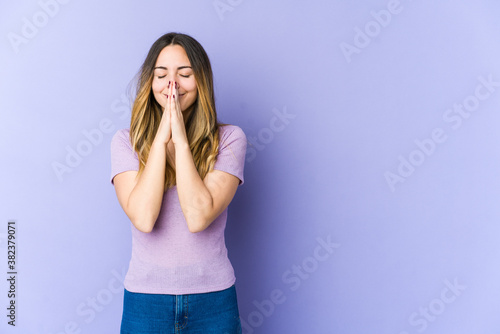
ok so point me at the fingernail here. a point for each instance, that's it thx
(167, 96)
(168, 84)
(173, 96)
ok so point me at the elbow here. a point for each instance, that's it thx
(195, 227)
(145, 229)
(197, 217)
(146, 220)
(196, 224)
(144, 225)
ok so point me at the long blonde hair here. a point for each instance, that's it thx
(202, 126)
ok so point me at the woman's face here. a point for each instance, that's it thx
(173, 65)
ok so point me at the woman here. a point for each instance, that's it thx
(175, 171)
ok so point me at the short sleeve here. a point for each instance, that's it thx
(123, 157)
(232, 151)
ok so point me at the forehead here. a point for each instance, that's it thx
(172, 56)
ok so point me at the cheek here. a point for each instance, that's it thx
(157, 86)
(190, 86)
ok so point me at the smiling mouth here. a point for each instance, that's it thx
(180, 95)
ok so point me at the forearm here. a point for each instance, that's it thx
(194, 197)
(146, 198)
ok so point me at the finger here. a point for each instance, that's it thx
(167, 96)
(170, 101)
(178, 103)
(167, 104)
(172, 98)
(176, 96)
(168, 90)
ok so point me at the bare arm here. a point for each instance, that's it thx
(201, 200)
(141, 197)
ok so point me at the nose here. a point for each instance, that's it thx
(169, 82)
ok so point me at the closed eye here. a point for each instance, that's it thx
(184, 76)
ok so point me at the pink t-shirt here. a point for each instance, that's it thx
(171, 259)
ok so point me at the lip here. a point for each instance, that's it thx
(180, 95)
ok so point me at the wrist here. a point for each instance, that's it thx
(182, 146)
(159, 143)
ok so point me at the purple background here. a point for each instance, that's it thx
(357, 116)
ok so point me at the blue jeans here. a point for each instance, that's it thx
(202, 313)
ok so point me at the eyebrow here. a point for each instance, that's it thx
(164, 68)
